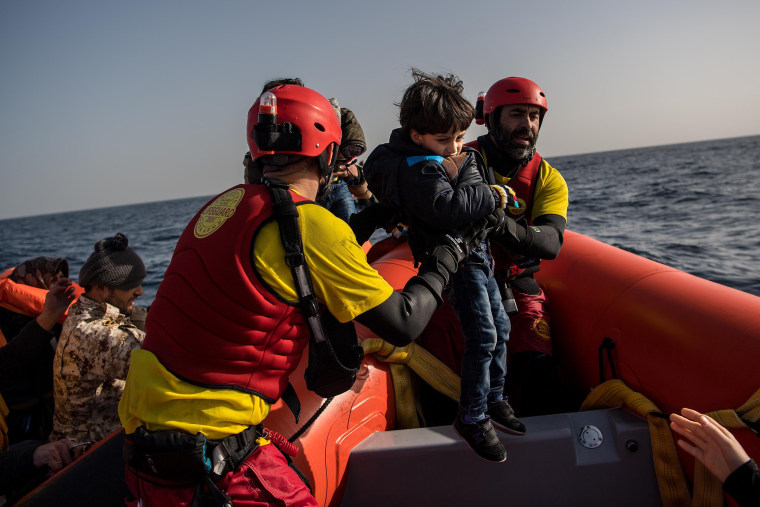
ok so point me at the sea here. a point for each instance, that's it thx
(692, 206)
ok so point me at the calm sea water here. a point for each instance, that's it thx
(692, 206)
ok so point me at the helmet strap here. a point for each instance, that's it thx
(326, 166)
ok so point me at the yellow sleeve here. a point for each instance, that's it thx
(550, 197)
(340, 274)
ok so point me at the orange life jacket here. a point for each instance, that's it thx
(24, 299)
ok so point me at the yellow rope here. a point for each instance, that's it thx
(673, 485)
(670, 476)
(424, 364)
(3, 425)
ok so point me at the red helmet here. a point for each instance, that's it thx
(292, 120)
(514, 90)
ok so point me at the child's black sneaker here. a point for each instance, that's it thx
(504, 419)
(482, 438)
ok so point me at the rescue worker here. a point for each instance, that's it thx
(226, 329)
(513, 111)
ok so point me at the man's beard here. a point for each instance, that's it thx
(124, 311)
(325, 187)
(505, 141)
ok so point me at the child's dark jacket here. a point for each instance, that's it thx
(435, 194)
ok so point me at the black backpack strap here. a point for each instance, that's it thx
(286, 214)
(334, 359)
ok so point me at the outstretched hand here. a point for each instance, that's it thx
(709, 442)
(57, 301)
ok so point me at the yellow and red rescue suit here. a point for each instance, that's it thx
(543, 196)
(225, 330)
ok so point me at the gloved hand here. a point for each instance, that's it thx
(504, 196)
(505, 229)
(497, 222)
(442, 261)
(369, 219)
(474, 233)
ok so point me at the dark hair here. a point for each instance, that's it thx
(282, 81)
(434, 104)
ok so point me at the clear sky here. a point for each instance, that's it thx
(106, 103)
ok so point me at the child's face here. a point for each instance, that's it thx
(444, 144)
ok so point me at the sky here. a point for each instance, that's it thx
(105, 103)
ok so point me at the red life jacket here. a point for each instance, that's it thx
(523, 183)
(214, 322)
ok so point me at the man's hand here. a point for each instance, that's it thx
(370, 219)
(442, 260)
(473, 234)
(450, 251)
(57, 301)
(54, 455)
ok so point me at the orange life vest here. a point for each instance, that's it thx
(24, 299)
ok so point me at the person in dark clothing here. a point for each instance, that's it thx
(23, 324)
(721, 453)
(27, 463)
(439, 187)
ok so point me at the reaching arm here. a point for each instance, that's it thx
(404, 315)
(542, 240)
(709, 442)
(22, 349)
(720, 452)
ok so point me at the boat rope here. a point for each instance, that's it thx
(608, 344)
(3, 425)
(308, 423)
(414, 358)
(671, 478)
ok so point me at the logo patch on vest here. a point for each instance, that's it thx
(217, 213)
(541, 327)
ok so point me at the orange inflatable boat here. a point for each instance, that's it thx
(665, 340)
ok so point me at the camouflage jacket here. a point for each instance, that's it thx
(90, 369)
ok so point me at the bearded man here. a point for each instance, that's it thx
(513, 111)
(92, 358)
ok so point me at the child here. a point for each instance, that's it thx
(440, 188)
